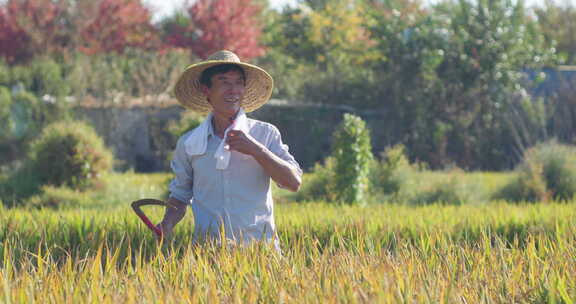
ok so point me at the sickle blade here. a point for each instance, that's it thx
(136, 206)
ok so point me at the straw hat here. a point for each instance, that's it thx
(259, 84)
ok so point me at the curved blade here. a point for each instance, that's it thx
(137, 209)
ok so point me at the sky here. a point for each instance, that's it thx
(166, 7)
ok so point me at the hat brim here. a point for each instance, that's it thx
(259, 86)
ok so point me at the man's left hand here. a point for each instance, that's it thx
(243, 143)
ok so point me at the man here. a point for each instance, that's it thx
(223, 167)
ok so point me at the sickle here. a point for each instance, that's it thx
(144, 202)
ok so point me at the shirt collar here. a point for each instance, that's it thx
(244, 126)
(210, 129)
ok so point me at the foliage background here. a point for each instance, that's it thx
(456, 82)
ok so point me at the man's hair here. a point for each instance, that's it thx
(207, 74)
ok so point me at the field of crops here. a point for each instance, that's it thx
(388, 253)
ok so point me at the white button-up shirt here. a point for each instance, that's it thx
(239, 199)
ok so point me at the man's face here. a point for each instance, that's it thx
(226, 92)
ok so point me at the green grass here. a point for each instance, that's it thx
(117, 190)
(387, 253)
(487, 181)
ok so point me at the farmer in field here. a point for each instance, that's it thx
(224, 166)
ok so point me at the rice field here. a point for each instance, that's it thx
(382, 253)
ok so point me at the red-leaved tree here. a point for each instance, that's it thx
(31, 27)
(116, 25)
(220, 24)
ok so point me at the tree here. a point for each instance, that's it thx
(219, 24)
(177, 30)
(117, 25)
(31, 27)
(338, 32)
(324, 52)
(558, 22)
(451, 81)
(324, 33)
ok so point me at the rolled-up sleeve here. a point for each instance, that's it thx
(181, 187)
(276, 146)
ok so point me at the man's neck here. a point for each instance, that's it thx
(221, 122)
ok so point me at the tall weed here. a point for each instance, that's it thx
(352, 153)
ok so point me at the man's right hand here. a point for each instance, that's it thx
(166, 232)
(175, 211)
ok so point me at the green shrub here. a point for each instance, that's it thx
(548, 171)
(135, 72)
(187, 122)
(70, 154)
(23, 75)
(353, 156)
(22, 117)
(528, 186)
(157, 75)
(320, 183)
(393, 173)
(21, 184)
(4, 73)
(27, 115)
(5, 112)
(559, 168)
(47, 78)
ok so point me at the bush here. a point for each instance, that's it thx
(527, 186)
(187, 122)
(5, 112)
(157, 75)
(353, 156)
(135, 73)
(4, 73)
(22, 75)
(70, 154)
(47, 78)
(559, 169)
(548, 171)
(27, 115)
(21, 184)
(320, 183)
(394, 172)
(22, 117)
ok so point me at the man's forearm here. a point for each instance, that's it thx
(282, 172)
(279, 170)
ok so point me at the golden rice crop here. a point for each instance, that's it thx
(497, 253)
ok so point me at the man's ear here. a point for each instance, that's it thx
(205, 90)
